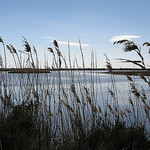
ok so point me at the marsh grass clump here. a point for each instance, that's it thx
(110, 137)
(70, 110)
(117, 137)
(18, 129)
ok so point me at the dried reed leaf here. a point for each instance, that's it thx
(94, 109)
(87, 95)
(72, 87)
(120, 41)
(110, 109)
(130, 101)
(89, 100)
(146, 112)
(122, 113)
(128, 111)
(142, 77)
(136, 62)
(86, 90)
(67, 105)
(146, 44)
(134, 90)
(100, 110)
(143, 100)
(129, 78)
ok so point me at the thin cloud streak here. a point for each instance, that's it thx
(72, 43)
(123, 37)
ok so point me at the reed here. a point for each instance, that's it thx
(66, 110)
(1, 41)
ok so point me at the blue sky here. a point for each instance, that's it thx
(95, 22)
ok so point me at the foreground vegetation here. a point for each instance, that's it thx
(53, 111)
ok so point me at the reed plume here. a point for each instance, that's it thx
(37, 60)
(131, 46)
(108, 64)
(9, 47)
(15, 51)
(1, 41)
(28, 50)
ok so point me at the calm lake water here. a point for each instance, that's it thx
(97, 83)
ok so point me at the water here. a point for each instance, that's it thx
(50, 88)
(95, 81)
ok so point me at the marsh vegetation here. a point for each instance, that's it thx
(72, 109)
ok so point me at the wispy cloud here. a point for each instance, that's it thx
(72, 44)
(122, 37)
(47, 37)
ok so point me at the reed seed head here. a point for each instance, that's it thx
(129, 46)
(55, 44)
(13, 49)
(26, 44)
(50, 49)
(9, 48)
(1, 40)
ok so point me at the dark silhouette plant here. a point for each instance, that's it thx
(129, 46)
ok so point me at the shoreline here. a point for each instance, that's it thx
(120, 71)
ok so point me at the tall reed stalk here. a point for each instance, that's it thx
(1, 40)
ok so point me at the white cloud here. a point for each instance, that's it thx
(47, 37)
(123, 37)
(72, 44)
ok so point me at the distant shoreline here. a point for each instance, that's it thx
(55, 69)
(117, 71)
